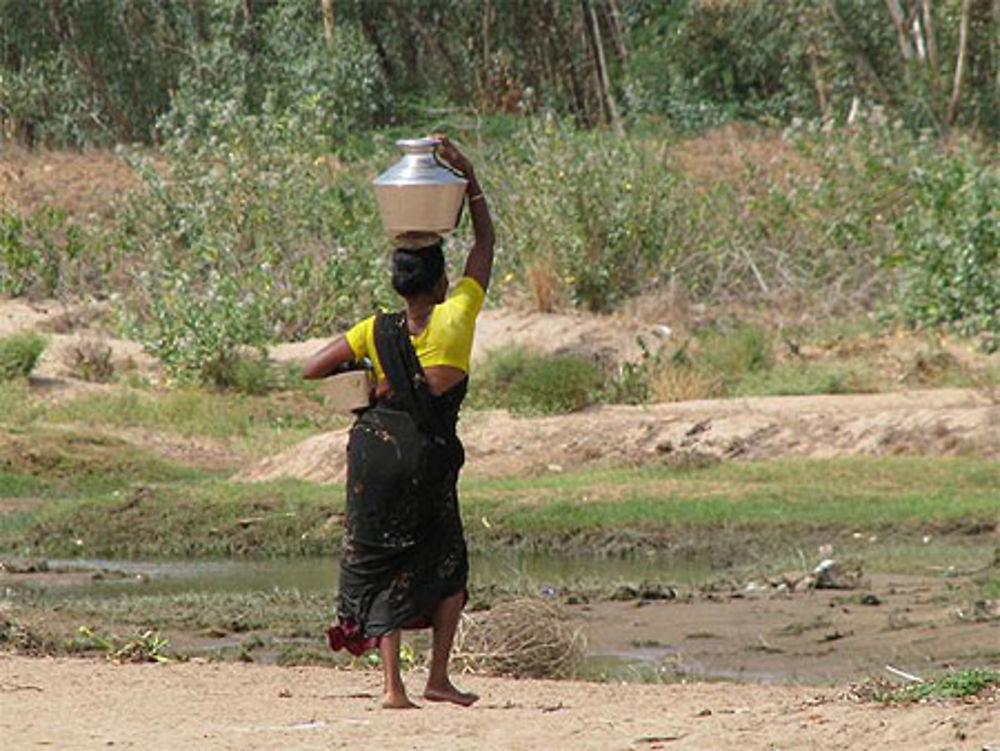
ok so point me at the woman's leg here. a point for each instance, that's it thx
(395, 692)
(444, 622)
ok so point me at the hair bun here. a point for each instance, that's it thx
(417, 271)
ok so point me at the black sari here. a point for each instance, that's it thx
(403, 548)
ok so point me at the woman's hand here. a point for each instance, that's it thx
(448, 151)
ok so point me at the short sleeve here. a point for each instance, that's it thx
(469, 295)
(359, 335)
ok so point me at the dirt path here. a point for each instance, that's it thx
(87, 704)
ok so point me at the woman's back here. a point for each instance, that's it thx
(443, 345)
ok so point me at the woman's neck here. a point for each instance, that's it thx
(418, 313)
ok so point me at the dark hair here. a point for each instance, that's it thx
(417, 271)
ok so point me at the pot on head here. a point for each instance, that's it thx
(419, 199)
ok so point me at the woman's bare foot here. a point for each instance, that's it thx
(397, 700)
(448, 692)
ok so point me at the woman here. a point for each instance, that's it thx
(403, 558)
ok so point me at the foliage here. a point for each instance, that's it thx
(289, 76)
(530, 383)
(702, 63)
(256, 237)
(103, 71)
(948, 252)
(19, 353)
(591, 206)
(46, 254)
(88, 71)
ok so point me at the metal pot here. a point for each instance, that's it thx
(419, 199)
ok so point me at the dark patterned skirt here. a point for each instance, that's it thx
(403, 548)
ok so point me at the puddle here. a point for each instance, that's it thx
(544, 575)
(760, 635)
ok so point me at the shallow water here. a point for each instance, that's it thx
(545, 574)
(661, 642)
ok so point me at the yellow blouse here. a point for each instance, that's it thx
(445, 340)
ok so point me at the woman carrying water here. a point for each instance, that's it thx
(403, 556)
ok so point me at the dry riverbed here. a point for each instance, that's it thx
(90, 704)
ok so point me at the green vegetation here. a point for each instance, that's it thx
(100, 72)
(958, 685)
(147, 646)
(19, 353)
(196, 412)
(836, 194)
(527, 383)
(198, 515)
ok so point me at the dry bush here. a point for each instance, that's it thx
(77, 318)
(523, 638)
(930, 368)
(90, 360)
(543, 281)
(681, 383)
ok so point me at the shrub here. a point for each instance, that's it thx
(249, 240)
(19, 353)
(948, 245)
(529, 383)
(588, 206)
(45, 254)
(90, 360)
(730, 353)
(293, 79)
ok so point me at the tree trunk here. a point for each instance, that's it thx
(862, 63)
(996, 42)
(198, 10)
(932, 57)
(899, 21)
(603, 80)
(327, 21)
(817, 75)
(618, 31)
(487, 17)
(963, 43)
(370, 28)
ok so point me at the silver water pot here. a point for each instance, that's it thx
(419, 198)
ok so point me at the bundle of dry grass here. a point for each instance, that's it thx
(523, 638)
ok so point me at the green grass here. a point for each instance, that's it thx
(199, 412)
(55, 462)
(740, 502)
(800, 379)
(16, 404)
(957, 685)
(802, 494)
(206, 518)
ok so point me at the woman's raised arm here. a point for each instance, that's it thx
(479, 264)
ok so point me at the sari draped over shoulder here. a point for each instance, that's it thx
(403, 549)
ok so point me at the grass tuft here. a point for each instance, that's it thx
(958, 685)
(19, 353)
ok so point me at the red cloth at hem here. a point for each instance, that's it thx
(347, 635)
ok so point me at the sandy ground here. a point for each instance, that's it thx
(87, 704)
